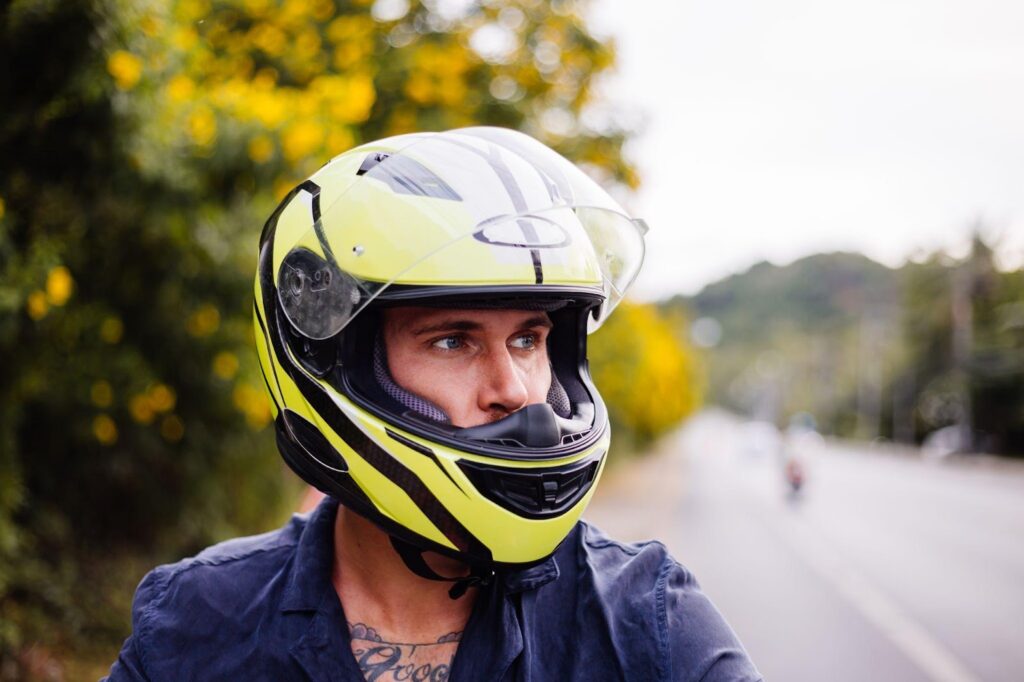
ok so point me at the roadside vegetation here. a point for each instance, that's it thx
(143, 144)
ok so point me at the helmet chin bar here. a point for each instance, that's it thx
(534, 426)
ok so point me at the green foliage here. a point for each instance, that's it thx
(874, 352)
(965, 349)
(143, 143)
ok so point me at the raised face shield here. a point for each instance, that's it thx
(464, 210)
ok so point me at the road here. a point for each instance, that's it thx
(890, 567)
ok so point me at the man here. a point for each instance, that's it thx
(422, 306)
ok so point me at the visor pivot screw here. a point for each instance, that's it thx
(358, 250)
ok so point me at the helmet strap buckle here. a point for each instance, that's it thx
(412, 556)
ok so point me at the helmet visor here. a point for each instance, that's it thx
(478, 207)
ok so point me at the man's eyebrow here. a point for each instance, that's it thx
(448, 325)
(463, 325)
(537, 321)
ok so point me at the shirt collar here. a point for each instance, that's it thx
(311, 566)
(533, 577)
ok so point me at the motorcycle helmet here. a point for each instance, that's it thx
(476, 218)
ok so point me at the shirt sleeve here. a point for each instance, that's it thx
(701, 647)
(130, 664)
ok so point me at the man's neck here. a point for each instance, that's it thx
(378, 591)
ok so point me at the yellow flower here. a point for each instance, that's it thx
(204, 321)
(190, 11)
(307, 44)
(180, 88)
(343, 28)
(225, 365)
(111, 330)
(270, 108)
(452, 91)
(184, 38)
(402, 120)
(339, 140)
(58, 285)
(269, 38)
(126, 69)
(322, 10)
(149, 25)
(202, 126)
(172, 428)
(256, 7)
(253, 403)
(419, 88)
(105, 430)
(301, 139)
(37, 306)
(282, 186)
(346, 55)
(102, 394)
(294, 11)
(162, 398)
(357, 99)
(265, 79)
(261, 148)
(141, 409)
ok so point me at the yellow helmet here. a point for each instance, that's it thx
(470, 218)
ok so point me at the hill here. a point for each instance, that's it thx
(867, 350)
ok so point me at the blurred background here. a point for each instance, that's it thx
(817, 390)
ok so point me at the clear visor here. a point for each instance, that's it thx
(475, 207)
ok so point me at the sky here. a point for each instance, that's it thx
(774, 130)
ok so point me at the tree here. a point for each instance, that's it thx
(142, 145)
(966, 350)
(647, 372)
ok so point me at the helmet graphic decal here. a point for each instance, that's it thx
(525, 232)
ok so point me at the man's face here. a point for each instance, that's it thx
(476, 365)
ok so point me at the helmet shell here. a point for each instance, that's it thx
(469, 218)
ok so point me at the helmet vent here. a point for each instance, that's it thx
(406, 176)
(506, 442)
(534, 493)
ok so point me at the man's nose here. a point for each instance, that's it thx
(503, 387)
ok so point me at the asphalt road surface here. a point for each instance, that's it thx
(888, 567)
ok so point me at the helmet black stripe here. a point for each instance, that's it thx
(515, 193)
(423, 449)
(270, 352)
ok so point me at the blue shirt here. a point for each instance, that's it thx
(264, 608)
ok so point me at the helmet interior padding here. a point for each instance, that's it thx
(556, 397)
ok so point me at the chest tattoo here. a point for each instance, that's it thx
(384, 661)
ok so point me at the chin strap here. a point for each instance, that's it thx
(413, 558)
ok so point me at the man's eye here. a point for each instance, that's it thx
(448, 343)
(526, 342)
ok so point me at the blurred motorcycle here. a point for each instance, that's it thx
(794, 474)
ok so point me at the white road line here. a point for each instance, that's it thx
(908, 635)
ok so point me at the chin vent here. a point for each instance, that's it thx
(534, 493)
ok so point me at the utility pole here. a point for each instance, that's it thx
(963, 340)
(871, 355)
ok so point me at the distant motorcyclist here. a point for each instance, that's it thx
(800, 437)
